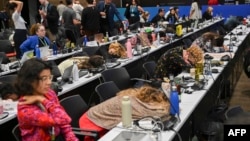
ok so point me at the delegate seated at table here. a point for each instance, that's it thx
(145, 101)
(38, 38)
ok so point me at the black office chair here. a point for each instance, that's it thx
(187, 42)
(149, 67)
(17, 133)
(8, 78)
(106, 90)
(6, 46)
(233, 111)
(75, 107)
(121, 78)
(70, 35)
(91, 50)
(5, 59)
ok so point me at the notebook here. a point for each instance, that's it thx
(44, 51)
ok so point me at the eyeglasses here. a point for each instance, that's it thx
(45, 78)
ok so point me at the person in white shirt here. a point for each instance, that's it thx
(195, 11)
(60, 8)
(19, 23)
(77, 7)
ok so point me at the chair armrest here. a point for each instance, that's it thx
(85, 132)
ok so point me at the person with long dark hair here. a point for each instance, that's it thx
(40, 115)
(20, 28)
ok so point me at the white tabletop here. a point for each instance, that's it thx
(188, 101)
(86, 79)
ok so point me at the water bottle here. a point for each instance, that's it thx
(129, 48)
(85, 40)
(37, 51)
(158, 38)
(75, 71)
(126, 112)
(107, 37)
(174, 99)
(1, 106)
(54, 48)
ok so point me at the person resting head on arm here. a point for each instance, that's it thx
(211, 42)
(39, 111)
(7, 92)
(175, 60)
(145, 101)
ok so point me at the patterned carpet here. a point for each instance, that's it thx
(241, 95)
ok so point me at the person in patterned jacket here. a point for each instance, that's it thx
(40, 115)
(177, 59)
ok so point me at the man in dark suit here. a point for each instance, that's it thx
(107, 11)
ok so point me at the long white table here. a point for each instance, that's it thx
(188, 102)
(85, 79)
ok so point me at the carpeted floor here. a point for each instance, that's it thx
(241, 95)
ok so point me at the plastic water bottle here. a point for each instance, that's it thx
(75, 71)
(129, 48)
(158, 38)
(85, 40)
(126, 112)
(1, 106)
(37, 51)
(54, 48)
(174, 99)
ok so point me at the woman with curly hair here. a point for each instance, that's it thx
(145, 101)
(175, 60)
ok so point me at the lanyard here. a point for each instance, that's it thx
(43, 41)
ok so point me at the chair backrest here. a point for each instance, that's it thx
(5, 46)
(233, 111)
(149, 67)
(8, 78)
(119, 76)
(91, 50)
(5, 59)
(70, 35)
(187, 42)
(75, 107)
(106, 90)
(17, 133)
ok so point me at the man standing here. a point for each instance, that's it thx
(107, 11)
(49, 18)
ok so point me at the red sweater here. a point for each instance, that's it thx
(35, 124)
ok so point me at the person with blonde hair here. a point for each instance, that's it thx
(208, 14)
(175, 60)
(144, 17)
(145, 101)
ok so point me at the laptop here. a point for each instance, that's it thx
(44, 51)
